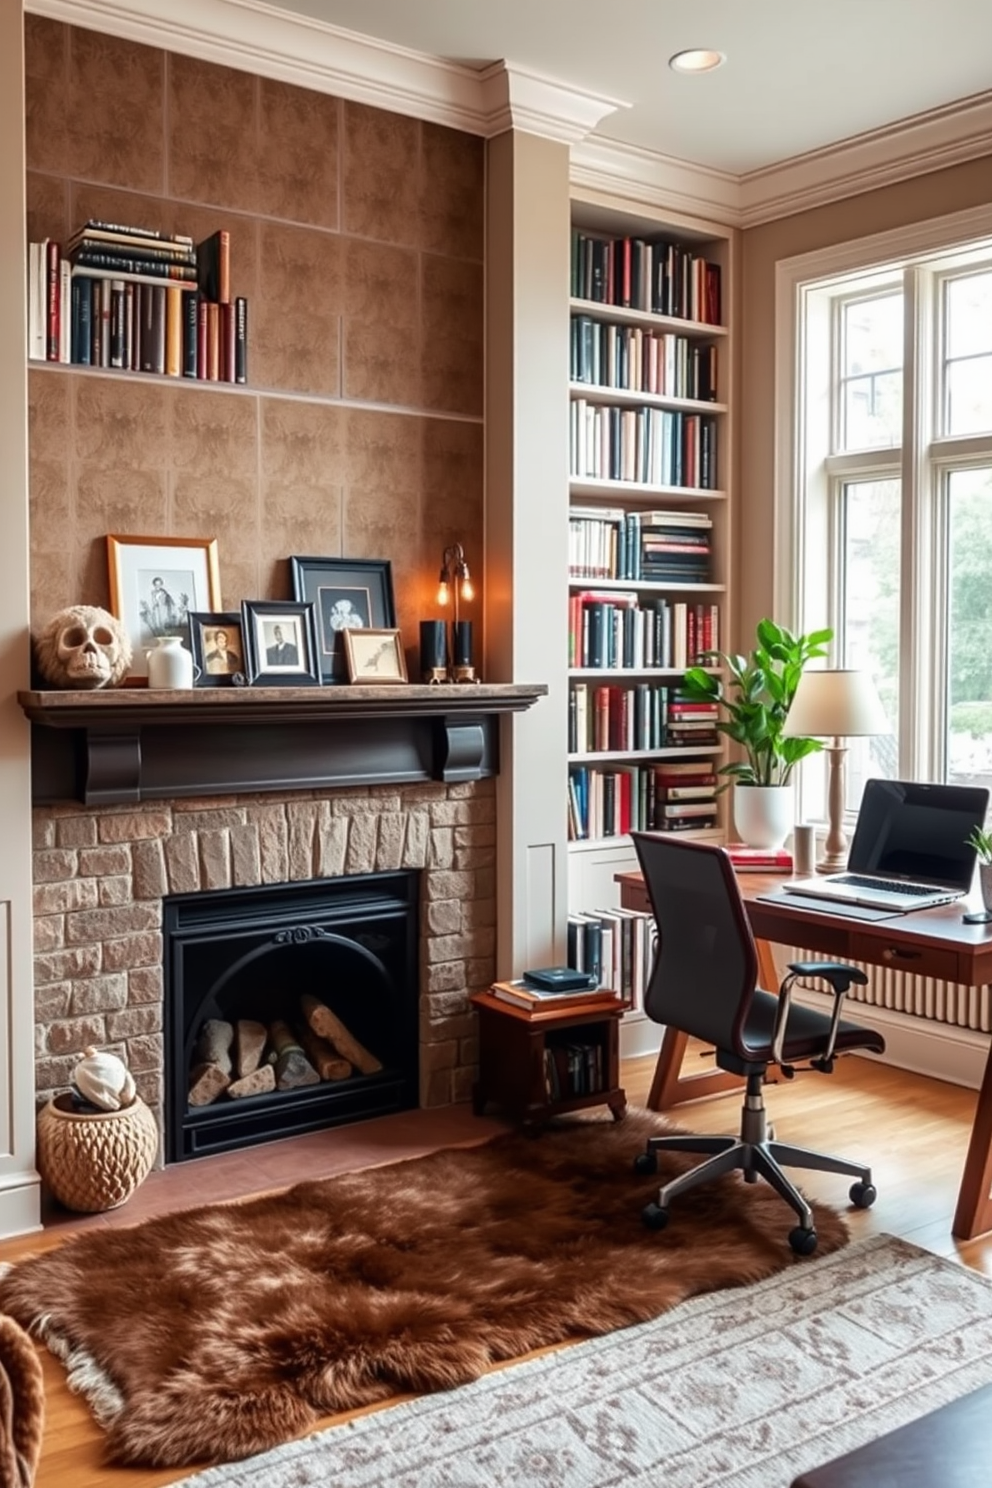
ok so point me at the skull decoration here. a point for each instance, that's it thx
(83, 646)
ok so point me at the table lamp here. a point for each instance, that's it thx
(454, 583)
(835, 705)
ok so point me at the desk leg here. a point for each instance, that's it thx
(973, 1215)
(669, 1086)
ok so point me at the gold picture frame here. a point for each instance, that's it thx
(374, 656)
(156, 583)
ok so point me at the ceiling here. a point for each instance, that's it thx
(799, 75)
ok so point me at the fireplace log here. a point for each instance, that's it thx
(329, 1066)
(213, 1044)
(292, 1067)
(249, 1042)
(256, 1082)
(329, 1026)
(206, 1082)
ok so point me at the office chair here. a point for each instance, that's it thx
(704, 983)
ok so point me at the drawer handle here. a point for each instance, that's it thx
(899, 953)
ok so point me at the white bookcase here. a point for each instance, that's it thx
(636, 447)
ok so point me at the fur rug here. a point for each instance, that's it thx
(22, 1406)
(215, 1333)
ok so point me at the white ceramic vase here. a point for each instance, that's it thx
(170, 664)
(763, 814)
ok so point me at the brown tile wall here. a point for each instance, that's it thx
(99, 879)
(357, 237)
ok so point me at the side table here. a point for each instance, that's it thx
(538, 1065)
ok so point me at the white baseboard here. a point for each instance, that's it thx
(639, 1036)
(940, 1050)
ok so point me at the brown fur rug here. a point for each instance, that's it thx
(218, 1332)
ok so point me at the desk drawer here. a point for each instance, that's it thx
(922, 960)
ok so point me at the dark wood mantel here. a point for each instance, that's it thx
(135, 744)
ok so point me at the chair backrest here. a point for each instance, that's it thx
(706, 965)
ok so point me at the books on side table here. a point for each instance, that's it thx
(537, 1000)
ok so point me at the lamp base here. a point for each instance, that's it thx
(435, 675)
(462, 674)
(832, 863)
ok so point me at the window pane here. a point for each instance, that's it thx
(969, 396)
(968, 309)
(873, 411)
(871, 333)
(969, 652)
(869, 624)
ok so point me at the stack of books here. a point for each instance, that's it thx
(137, 299)
(537, 1000)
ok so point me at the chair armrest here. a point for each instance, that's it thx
(840, 976)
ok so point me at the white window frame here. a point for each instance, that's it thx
(803, 328)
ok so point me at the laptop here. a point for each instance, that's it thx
(909, 850)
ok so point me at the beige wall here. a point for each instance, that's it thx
(933, 195)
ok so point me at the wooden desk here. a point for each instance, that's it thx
(931, 942)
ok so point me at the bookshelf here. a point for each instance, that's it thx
(650, 513)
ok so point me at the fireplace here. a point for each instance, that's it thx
(260, 957)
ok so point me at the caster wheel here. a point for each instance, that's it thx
(803, 1242)
(863, 1195)
(654, 1217)
(646, 1162)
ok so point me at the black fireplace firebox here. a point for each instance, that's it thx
(252, 954)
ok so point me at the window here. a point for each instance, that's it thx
(890, 509)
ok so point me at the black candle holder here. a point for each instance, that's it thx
(433, 651)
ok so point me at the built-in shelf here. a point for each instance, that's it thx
(135, 744)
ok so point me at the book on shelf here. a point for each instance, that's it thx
(118, 266)
(213, 257)
(760, 859)
(535, 999)
(116, 231)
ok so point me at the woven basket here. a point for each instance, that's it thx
(95, 1161)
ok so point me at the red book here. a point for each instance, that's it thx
(760, 859)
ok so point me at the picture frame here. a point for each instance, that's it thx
(155, 583)
(374, 656)
(341, 589)
(217, 642)
(280, 640)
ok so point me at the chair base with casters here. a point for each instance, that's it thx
(756, 1155)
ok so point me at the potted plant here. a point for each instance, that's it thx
(981, 841)
(755, 697)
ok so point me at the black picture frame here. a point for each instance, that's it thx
(269, 626)
(366, 584)
(214, 670)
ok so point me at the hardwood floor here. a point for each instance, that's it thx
(913, 1131)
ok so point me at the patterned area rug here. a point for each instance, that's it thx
(740, 1389)
(208, 1335)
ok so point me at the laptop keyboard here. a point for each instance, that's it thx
(859, 881)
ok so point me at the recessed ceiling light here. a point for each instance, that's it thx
(696, 59)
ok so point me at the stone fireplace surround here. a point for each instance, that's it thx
(100, 874)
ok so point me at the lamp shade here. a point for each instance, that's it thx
(840, 704)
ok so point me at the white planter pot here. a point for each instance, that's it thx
(763, 814)
(985, 879)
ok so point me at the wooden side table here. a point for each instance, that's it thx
(518, 1048)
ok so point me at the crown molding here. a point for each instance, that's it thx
(296, 49)
(514, 98)
(941, 137)
(652, 180)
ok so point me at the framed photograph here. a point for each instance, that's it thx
(218, 647)
(374, 656)
(155, 583)
(347, 594)
(280, 642)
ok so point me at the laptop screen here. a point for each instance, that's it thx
(911, 830)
